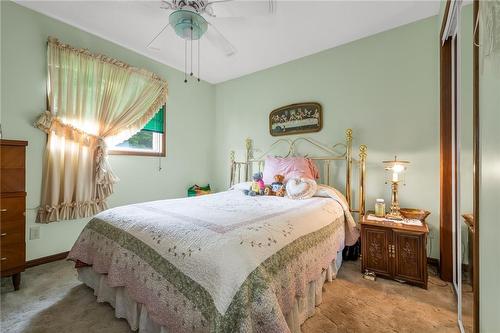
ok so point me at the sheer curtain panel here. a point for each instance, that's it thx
(94, 101)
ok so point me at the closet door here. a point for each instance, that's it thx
(458, 36)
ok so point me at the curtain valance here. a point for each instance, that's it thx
(93, 101)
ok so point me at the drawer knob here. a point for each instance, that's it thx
(4, 258)
(3, 210)
(3, 234)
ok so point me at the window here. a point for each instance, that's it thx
(150, 141)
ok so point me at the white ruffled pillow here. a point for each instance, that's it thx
(241, 186)
(301, 188)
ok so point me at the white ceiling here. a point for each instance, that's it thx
(297, 29)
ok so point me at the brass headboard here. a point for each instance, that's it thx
(236, 173)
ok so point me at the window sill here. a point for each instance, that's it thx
(136, 153)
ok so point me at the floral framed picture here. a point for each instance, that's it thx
(296, 118)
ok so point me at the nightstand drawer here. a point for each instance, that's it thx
(12, 255)
(12, 209)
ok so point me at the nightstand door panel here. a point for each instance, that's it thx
(376, 250)
(409, 263)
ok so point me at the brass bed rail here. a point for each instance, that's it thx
(332, 154)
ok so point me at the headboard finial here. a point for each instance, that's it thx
(362, 151)
(249, 148)
(348, 135)
(248, 143)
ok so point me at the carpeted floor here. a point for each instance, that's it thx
(51, 299)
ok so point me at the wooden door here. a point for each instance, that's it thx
(376, 250)
(409, 260)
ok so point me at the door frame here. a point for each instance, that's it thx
(447, 163)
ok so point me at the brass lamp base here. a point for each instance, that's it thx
(394, 214)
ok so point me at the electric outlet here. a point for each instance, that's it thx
(34, 233)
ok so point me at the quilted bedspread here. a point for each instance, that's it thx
(217, 263)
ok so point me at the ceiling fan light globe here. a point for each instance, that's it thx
(188, 24)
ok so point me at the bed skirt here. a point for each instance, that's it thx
(137, 315)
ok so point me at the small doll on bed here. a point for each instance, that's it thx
(277, 188)
(257, 187)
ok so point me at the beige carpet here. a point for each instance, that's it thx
(51, 299)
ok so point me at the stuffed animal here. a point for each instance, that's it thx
(257, 187)
(277, 188)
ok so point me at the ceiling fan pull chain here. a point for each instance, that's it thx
(191, 74)
(185, 61)
(198, 59)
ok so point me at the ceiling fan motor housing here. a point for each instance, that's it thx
(188, 24)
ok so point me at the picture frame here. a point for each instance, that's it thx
(296, 118)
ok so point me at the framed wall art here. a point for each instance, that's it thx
(296, 118)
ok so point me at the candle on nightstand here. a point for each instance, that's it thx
(395, 177)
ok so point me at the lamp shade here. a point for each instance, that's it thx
(396, 165)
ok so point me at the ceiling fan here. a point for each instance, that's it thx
(190, 20)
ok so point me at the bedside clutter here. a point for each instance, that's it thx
(395, 250)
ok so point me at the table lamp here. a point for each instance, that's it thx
(395, 169)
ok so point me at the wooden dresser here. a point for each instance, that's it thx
(395, 251)
(12, 209)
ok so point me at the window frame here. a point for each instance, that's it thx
(131, 152)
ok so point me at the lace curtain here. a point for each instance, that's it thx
(489, 35)
(94, 101)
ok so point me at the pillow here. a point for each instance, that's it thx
(241, 186)
(301, 188)
(289, 167)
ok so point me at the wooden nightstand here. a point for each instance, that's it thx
(395, 251)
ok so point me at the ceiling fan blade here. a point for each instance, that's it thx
(166, 5)
(234, 8)
(150, 44)
(154, 5)
(219, 41)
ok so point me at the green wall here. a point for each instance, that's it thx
(384, 87)
(23, 74)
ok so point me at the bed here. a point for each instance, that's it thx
(224, 262)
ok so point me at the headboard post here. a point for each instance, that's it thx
(362, 179)
(233, 168)
(348, 139)
(248, 157)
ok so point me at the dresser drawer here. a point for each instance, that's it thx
(12, 209)
(12, 232)
(12, 157)
(12, 256)
(12, 180)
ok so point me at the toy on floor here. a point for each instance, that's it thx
(277, 188)
(257, 187)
